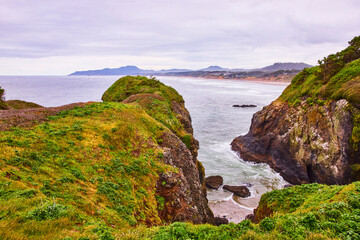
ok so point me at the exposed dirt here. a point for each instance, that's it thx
(31, 116)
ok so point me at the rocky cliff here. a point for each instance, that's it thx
(183, 192)
(311, 132)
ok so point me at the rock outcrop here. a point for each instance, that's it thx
(311, 133)
(214, 182)
(305, 144)
(184, 192)
(244, 105)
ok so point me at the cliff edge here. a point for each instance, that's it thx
(311, 133)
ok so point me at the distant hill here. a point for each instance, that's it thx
(133, 70)
(284, 66)
(127, 70)
(214, 68)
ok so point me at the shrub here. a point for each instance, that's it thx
(2, 94)
(309, 221)
(268, 224)
(47, 211)
(187, 140)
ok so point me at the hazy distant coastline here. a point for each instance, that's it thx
(281, 72)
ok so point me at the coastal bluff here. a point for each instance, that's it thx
(95, 169)
(311, 132)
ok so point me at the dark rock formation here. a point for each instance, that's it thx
(214, 182)
(250, 217)
(220, 221)
(245, 106)
(305, 144)
(184, 192)
(240, 191)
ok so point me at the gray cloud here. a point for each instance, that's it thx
(232, 33)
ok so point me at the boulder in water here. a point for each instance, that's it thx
(240, 191)
(214, 182)
(244, 105)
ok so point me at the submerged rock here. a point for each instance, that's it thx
(245, 106)
(240, 191)
(214, 182)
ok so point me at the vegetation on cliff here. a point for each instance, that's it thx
(311, 211)
(158, 100)
(90, 172)
(336, 77)
(2, 99)
(14, 104)
(85, 169)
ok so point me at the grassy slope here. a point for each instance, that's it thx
(86, 169)
(88, 172)
(18, 104)
(309, 85)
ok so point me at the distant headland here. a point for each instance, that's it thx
(275, 72)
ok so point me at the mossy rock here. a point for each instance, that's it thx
(130, 85)
(3, 106)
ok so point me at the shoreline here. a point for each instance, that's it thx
(257, 80)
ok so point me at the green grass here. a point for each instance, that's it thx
(308, 84)
(155, 98)
(18, 104)
(84, 168)
(130, 85)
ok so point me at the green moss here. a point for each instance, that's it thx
(187, 139)
(335, 78)
(18, 104)
(308, 84)
(130, 85)
(3, 106)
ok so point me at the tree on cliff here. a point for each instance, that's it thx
(2, 94)
(332, 64)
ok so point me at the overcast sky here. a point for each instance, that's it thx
(62, 36)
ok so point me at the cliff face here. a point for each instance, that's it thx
(305, 144)
(311, 132)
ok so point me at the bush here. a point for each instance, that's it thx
(268, 224)
(47, 211)
(2, 94)
(187, 140)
